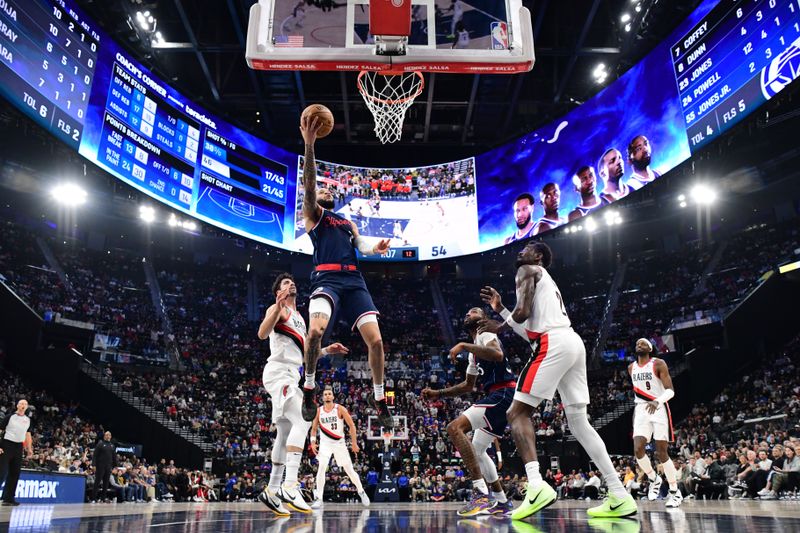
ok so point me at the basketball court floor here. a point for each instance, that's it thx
(565, 516)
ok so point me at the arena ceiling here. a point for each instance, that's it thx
(462, 114)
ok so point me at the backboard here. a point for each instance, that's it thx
(458, 36)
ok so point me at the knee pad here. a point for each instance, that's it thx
(481, 441)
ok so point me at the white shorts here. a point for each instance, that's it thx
(281, 382)
(558, 362)
(338, 450)
(658, 425)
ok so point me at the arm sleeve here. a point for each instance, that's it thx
(518, 329)
(472, 367)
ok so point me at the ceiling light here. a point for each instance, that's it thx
(147, 213)
(625, 17)
(69, 194)
(702, 194)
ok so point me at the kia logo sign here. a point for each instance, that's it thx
(387, 490)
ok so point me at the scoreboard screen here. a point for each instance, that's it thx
(721, 63)
(733, 60)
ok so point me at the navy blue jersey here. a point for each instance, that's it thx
(489, 373)
(333, 240)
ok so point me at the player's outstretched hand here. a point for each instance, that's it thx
(281, 297)
(309, 128)
(490, 296)
(455, 350)
(336, 348)
(382, 247)
(489, 326)
(429, 394)
(354, 447)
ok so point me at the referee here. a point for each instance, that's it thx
(17, 426)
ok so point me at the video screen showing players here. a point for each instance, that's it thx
(425, 212)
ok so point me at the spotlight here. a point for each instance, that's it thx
(147, 213)
(189, 225)
(703, 194)
(683, 204)
(682, 198)
(628, 27)
(69, 194)
(625, 17)
(173, 221)
(591, 225)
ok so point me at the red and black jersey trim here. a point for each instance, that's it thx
(329, 433)
(298, 339)
(643, 395)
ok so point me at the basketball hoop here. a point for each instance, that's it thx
(388, 95)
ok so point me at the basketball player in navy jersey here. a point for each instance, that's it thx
(585, 183)
(550, 197)
(336, 283)
(523, 216)
(639, 156)
(612, 170)
(489, 369)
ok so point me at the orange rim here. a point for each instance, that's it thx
(391, 73)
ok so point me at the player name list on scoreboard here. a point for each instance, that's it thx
(148, 140)
(47, 60)
(718, 63)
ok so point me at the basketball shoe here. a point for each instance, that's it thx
(535, 500)
(614, 507)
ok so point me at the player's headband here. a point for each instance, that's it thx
(649, 344)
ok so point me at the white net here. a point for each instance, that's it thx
(388, 95)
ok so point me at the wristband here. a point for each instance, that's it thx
(323, 352)
(665, 396)
(505, 313)
(499, 456)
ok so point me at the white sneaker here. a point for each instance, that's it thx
(317, 503)
(293, 499)
(674, 499)
(768, 496)
(764, 492)
(364, 498)
(273, 503)
(655, 488)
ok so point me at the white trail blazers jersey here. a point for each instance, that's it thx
(287, 340)
(646, 385)
(548, 307)
(330, 423)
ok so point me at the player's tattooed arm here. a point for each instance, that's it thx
(526, 279)
(311, 209)
(490, 352)
(465, 387)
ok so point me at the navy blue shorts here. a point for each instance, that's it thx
(347, 293)
(489, 413)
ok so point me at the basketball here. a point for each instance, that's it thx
(323, 114)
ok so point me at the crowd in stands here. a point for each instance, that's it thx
(218, 394)
(440, 181)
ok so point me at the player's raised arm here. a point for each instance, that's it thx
(273, 314)
(490, 352)
(311, 209)
(465, 387)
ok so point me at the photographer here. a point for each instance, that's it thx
(17, 427)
